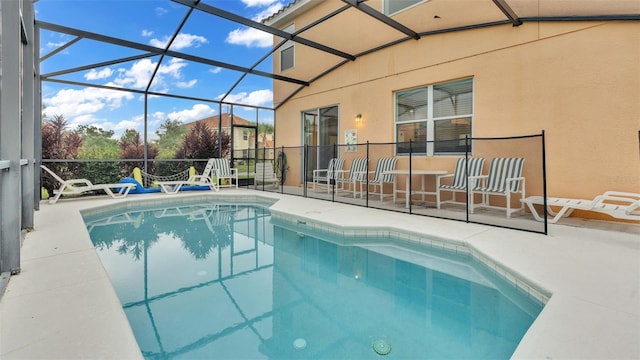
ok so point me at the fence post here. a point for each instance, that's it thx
(282, 170)
(408, 191)
(305, 164)
(544, 183)
(467, 143)
(334, 173)
(366, 175)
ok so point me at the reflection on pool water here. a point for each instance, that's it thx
(224, 281)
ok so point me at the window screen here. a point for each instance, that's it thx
(393, 6)
(287, 52)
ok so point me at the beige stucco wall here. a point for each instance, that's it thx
(577, 81)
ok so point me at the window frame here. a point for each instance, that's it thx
(385, 6)
(289, 45)
(431, 120)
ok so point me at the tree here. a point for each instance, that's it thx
(170, 136)
(59, 143)
(203, 143)
(265, 128)
(132, 147)
(263, 131)
(99, 144)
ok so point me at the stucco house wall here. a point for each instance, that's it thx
(577, 81)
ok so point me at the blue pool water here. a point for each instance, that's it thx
(224, 281)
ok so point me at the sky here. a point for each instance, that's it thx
(153, 22)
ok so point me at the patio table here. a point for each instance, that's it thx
(422, 191)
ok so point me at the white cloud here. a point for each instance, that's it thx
(197, 112)
(123, 125)
(161, 11)
(136, 122)
(186, 84)
(82, 120)
(187, 40)
(147, 33)
(102, 74)
(56, 44)
(250, 37)
(215, 70)
(173, 68)
(181, 41)
(140, 72)
(137, 76)
(252, 3)
(257, 98)
(156, 118)
(75, 105)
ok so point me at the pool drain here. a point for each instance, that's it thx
(381, 347)
(299, 343)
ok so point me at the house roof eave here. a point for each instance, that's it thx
(289, 12)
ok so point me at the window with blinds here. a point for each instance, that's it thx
(287, 52)
(434, 119)
(393, 6)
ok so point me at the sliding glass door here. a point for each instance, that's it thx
(320, 132)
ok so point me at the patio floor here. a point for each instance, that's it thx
(63, 306)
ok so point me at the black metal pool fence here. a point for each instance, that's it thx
(473, 170)
(455, 179)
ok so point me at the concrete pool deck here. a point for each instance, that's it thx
(63, 306)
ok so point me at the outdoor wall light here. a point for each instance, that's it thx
(359, 118)
(460, 122)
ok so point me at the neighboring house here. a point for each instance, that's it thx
(266, 145)
(244, 137)
(483, 77)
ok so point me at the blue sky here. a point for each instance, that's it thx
(152, 22)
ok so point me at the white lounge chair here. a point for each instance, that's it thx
(620, 205)
(265, 175)
(504, 178)
(223, 170)
(357, 173)
(80, 186)
(459, 179)
(204, 179)
(329, 175)
(380, 177)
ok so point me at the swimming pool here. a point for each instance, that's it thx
(203, 280)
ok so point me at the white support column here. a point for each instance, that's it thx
(29, 115)
(10, 136)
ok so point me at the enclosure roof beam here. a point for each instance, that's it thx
(168, 45)
(159, 51)
(268, 29)
(60, 49)
(98, 65)
(508, 12)
(359, 4)
(282, 42)
(138, 91)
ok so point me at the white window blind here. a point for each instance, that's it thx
(287, 53)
